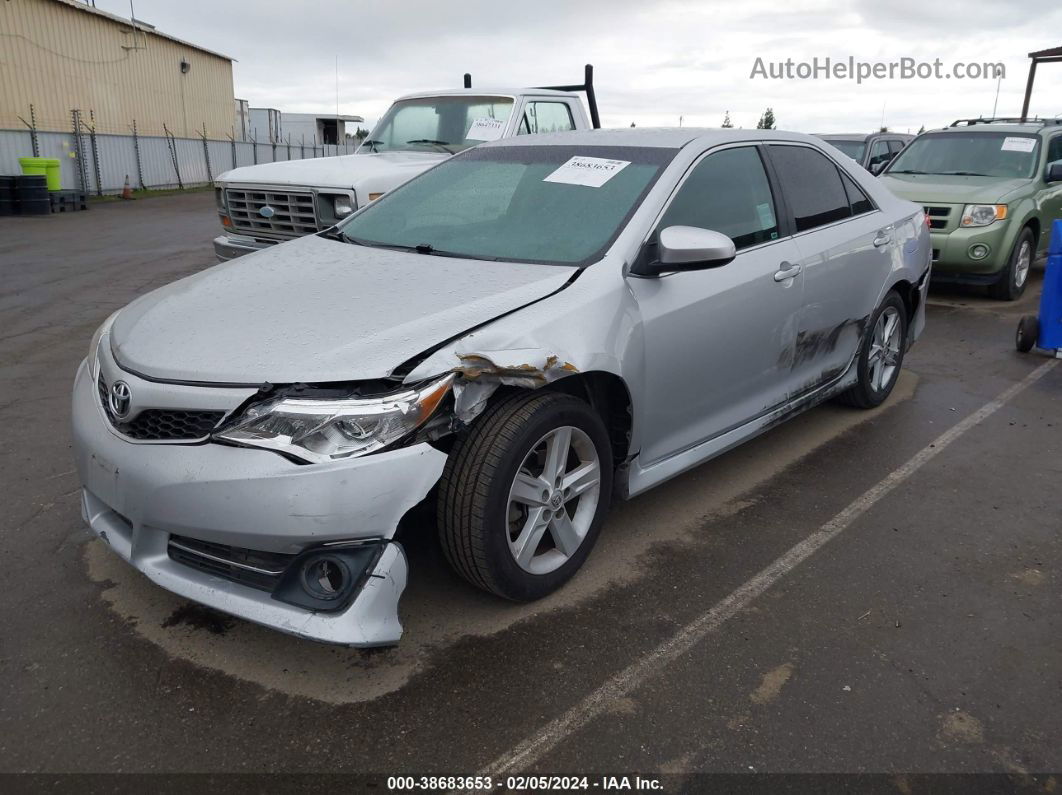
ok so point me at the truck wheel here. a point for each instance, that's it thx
(880, 355)
(1028, 331)
(1015, 276)
(524, 493)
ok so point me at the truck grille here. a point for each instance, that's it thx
(162, 425)
(249, 567)
(938, 217)
(288, 214)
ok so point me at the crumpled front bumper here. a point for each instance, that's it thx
(136, 495)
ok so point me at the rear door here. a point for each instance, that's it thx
(718, 342)
(1051, 202)
(846, 247)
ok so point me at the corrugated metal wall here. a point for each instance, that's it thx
(57, 57)
(117, 158)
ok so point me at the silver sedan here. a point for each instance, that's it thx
(514, 339)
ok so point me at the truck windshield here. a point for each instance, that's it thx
(515, 204)
(441, 124)
(854, 149)
(980, 154)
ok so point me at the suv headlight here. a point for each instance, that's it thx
(324, 430)
(983, 214)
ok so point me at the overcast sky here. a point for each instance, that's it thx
(654, 60)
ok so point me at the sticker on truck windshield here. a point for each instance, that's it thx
(593, 172)
(485, 130)
(1018, 144)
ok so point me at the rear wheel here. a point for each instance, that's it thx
(1015, 276)
(880, 356)
(1028, 331)
(524, 493)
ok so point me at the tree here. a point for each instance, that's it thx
(361, 133)
(767, 120)
(727, 124)
(921, 129)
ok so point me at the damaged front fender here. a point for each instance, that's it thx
(481, 373)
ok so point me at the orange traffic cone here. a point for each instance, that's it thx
(127, 191)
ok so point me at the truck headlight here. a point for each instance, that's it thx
(324, 430)
(341, 206)
(983, 214)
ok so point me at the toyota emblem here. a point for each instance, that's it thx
(120, 399)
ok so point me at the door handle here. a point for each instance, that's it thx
(786, 270)
(882, 239)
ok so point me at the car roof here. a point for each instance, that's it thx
(1030, 128)
(485, 92)
(653, 137)
(859, 136)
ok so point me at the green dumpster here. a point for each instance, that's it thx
(47, 167)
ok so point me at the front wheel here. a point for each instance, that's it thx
(1015, 276)
(880, 355)
(524, 493)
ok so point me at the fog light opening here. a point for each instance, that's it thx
(326, 577)
(979, 251)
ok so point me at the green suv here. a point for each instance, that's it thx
(990, 188)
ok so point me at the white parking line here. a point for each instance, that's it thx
(622, 684)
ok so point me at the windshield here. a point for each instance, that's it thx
(515, 203)
(981, 154)
(440, 124)
(854, 149)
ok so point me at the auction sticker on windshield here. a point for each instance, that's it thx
(1018, 144)
(593, 172)
(485, 130)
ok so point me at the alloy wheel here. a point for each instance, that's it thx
(1021, 267)
(884, 349)
(553, 500)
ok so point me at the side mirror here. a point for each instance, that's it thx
(690, 248)
(1054, 171)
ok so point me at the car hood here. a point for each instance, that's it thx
(317, 310)
(941, 189)
(345, 171)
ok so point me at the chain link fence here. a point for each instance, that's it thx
(99, 163)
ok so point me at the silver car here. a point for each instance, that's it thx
(514, 338)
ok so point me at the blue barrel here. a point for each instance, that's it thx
(1051, 298)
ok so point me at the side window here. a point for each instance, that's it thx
(727, 192)
(544, 117)
(1054, 149)
(857, 199)
(812, 184)
(879, 153)
(895, 146)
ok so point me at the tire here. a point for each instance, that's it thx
(883, 347)
(489, 520)
(1028, 331)
(1015, 276)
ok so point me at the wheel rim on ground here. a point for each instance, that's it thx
(1021, 267)
(884, 355)
(553, 500)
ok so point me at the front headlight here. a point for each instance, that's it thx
(94, 346)
(324, 430)
(342, 206)
(983, 214)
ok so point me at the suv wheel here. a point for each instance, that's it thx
(1015, 276)
(880, 355)
(524, 493)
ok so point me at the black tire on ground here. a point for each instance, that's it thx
(1007, 288)
(1028, 331)
(473, 502)
(865, 394)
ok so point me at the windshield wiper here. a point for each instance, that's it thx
(428, 248)
(964, 174)
(371, 144)
(441, 144)
(907, 171)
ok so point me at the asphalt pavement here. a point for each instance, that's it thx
(853, 592)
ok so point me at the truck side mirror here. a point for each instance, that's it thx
(1054, 171)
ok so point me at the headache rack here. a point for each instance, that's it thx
(1004, 120)
(587, 87)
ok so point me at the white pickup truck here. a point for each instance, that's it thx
(269, 203)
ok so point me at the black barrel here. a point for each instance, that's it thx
(31, 193)
(7, 195)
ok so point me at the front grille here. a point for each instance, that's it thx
(938, 216)
(162, 425)
(293, 213)
(249, 567)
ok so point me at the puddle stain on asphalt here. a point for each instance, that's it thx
(961, 727)
(438, 609)
(772, 684)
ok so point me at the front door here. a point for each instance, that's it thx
(718, 342)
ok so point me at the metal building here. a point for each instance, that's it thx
(57, 55)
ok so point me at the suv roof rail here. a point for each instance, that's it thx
(587, 86)
(1003, 120)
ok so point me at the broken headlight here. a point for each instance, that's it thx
(324, 430)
